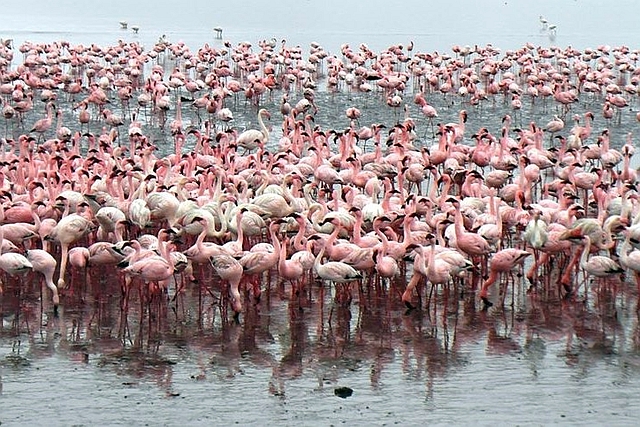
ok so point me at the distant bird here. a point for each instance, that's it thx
(552, 29)
(225, 115)
(135, 29)
(124, 25)
(554, 126)
(218, 31)
(544, 22)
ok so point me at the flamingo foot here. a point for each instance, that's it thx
(568, 289)
(486, 303)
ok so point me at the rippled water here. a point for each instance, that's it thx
(539, 362)
(542, 363)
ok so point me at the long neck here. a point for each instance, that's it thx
(275, 241)
(283, 254)
(318, 261)
(624, 251)
(407, 236)
(432, 256)
(163, 246)
(585, 252)
(263, 128)
(240, 231)
(458, 223)
(498, 214)
(357, 228)
(298, 240)
(201, 236)
(383, 237)
(223, 223)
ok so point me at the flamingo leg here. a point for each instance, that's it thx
(63, 265)
(408, 293)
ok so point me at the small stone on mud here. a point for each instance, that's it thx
(343, 392)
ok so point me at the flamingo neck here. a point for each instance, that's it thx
(263, 128)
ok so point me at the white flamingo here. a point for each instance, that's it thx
(69, 230)
(13, 263)
(251, 139)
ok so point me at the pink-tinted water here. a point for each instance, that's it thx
(540, 363)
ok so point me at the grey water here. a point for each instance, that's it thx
(537, 363)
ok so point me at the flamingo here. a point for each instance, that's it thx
(630, 258)
(334, 271)
(502, 261)
(599, 266)
(13, 263)
(437, 269)
(43, 262)
(458, 128)
(69, 230)
(154, 268)
(256, 263)
(251, 139)
(41, 126)
(202, 251)
(554, 126)
(470, 243)
(290, 269)
(229, 269)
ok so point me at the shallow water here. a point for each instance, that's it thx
(541, 361)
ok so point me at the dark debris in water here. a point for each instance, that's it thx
(343, 392)
(15, 361)
(130, 357)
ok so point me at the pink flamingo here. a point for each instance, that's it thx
(256, 263)
(630, 258)
(427, 110)
(43, 125)
(43, 262)
(554, 126)
(290, 269)
(201, 251)
(502, 261)
(458, 128)
(154, 268)
(470, 243)
(229, 269)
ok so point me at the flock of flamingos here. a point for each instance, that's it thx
(86, 189)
